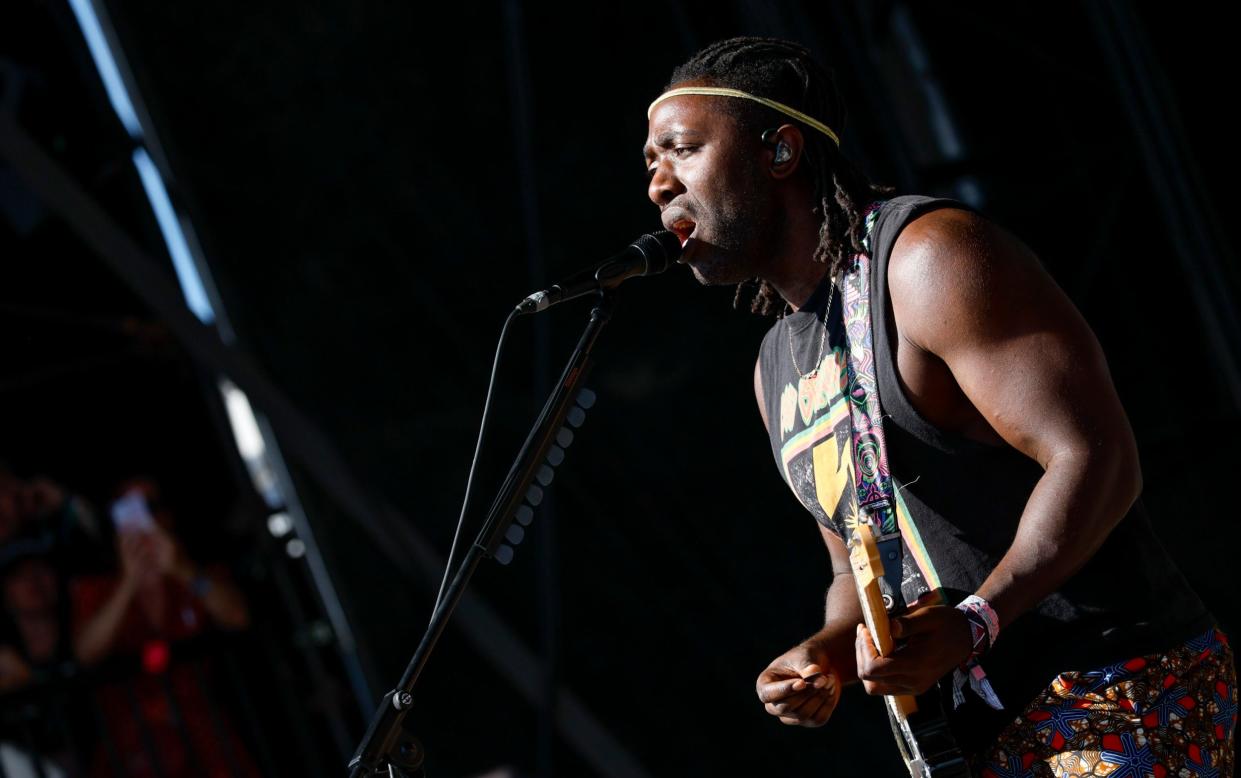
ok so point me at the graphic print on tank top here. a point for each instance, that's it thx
(813, 441)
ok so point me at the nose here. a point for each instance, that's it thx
(664, 185)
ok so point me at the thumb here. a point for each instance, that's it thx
(914, 623)
(805, 671)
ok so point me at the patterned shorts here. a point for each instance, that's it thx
(1159, 715)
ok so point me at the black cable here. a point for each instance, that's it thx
(469, 481)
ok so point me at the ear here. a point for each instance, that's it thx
(785, 145)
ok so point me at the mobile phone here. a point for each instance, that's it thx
(131, 513)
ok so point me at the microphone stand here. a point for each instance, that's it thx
(388, 748)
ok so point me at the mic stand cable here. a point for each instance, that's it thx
(387, 748)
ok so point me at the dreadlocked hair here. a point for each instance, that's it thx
(785, 72)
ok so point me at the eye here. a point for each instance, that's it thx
(681, 151)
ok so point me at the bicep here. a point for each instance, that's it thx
(976, 297)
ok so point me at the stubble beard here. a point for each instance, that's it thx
(739, 235)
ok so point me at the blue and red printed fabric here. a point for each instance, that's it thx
(1153, 716)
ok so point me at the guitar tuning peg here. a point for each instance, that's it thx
(545, 475)
(514, 534)
(576, 417)
(555, 455)
(503, 554)
(524, 515)
(564, 437)
(586, 398)
(534, 495)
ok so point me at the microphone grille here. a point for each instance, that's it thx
(661, 249)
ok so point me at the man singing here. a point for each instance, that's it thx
(1029, 564)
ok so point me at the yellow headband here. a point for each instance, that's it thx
(722, 92)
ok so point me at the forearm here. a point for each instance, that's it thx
(1071, 511)
(221, 598)
(842, 614)
(96, 637)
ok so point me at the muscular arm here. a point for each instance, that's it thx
(970, 297)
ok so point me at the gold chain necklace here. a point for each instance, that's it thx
(822, 339)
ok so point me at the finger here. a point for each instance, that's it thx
(776, 710)
(779, 690)
(811, 706)
(866, 644)
(817, 716)
(870, 665)
(800, 704)
(774, 675)
(785, 705)
(864, 652)
(820, 716)
(916, 622)
(898, 685)
(824, 681)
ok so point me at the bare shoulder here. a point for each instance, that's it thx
(975, 309)
(952, 269)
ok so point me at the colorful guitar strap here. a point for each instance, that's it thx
(872, 480)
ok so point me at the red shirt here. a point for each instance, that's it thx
(164, 711)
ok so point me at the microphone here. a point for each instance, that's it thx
(650, 254)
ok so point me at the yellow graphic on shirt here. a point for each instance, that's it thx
(833, 473)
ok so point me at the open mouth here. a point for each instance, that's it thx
(684, 229)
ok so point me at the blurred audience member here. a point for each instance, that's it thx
(37, 516)
(34, 729)
(33, 603)
(160, 593)
(165, 721)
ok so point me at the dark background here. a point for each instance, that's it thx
(375, 183)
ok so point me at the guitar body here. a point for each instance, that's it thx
(918, 723)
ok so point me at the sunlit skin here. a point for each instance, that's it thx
(988, 347)
(749, 218)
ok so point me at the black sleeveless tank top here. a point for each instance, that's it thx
(958, 503)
